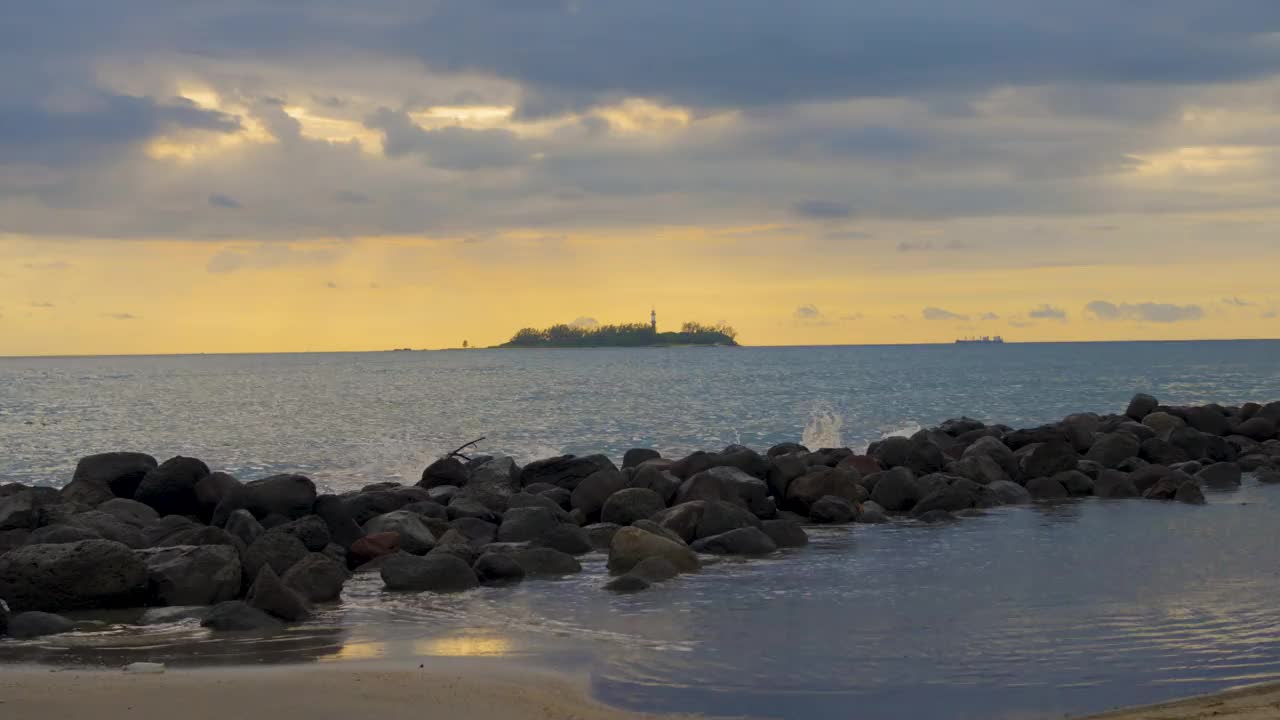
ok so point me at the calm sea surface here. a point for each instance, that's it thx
(1021, 613)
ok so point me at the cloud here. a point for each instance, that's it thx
(1237, 302)
(50, 265)
(42, 305)
(807, 312)
(988, 316)
(219, 200)
(121, 316)
(585, 323)
(350, 197)
(851, 316)
(1019, 322)
(331, 285)
(450, 148)
(936, 313)
(822, 209)
(1048, 312)
(1144, 312)
(907, 246)
(267, 256)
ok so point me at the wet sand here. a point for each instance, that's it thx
(297, 694)
(1259, 702)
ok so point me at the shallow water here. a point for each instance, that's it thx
(1019, 613)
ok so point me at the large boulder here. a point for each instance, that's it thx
(785, 533)
(1114, 484)
(415, 537)
(445, 471)
(278, 550)
(978, 467)
(567, 538)
(439, 573)
(498, 475)
(1007, 492)
(317, 577)
(101, 477)
(34, 624)
(1077, 483)
(743, 541)
(651, 476)
(1208, 420)
(110, 527)
(343, 529)
(743, 488)
(243, 525)
(91, 574)
(630, 504)
(832, 510)
(526, 524)
(637, 456)
(783, 470)
(895, 489)
(371, 548)
(310, 529)
(1140, 406)
(546, 562)
(1223, 474)
(1048, 459)
(366, 505)
(1190, 493)
(601, 534)
(213, 490)
(1046, 488)
(994, 449)
(566, 471)
(56, 534)
(170, 488)
(477, 532)
(129, 512)
(592, 491)
(807, 489)
(1114, 448)
(631, 545)
(20, 511)
(291, 496)
(192, 574)
(270, 595)
(498, 569)
(1259, 428)
(951, 498)
(1163, 422)
(238, 616)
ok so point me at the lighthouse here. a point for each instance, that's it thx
(653, 319)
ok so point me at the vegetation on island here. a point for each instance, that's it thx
(629, 335)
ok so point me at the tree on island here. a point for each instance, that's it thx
(626, 335)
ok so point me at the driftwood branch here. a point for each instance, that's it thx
(458, 453)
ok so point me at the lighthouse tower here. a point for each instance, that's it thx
(653, 319)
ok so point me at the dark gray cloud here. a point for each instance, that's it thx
(451, 148)
(807, 312)
(1048, 312)
(822, 209)
(936, 313)
(226, 202)
(1144, 312)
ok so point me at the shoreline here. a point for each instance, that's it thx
(466, 689)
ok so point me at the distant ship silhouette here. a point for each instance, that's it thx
(984, 340)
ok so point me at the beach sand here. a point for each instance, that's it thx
(344, 693)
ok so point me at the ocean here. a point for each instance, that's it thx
(1026, 612)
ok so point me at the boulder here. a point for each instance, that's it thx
(601, 534)
(719, 517)
(99, 478)
(498, 569)
(90, 574)
(546, 562)
(1077, 483)
(832, 510)
(213, 489)
(1162, 422)
(364, 506)
(592, 491)
(1007, 492)
(498, 475)
(743, 541)
(527, 500)
(994, 449)
(415, 537)
(34, 624)
(343, 529)
(316, 578)
(1141, 406)
(783, 470)
(445, 471)
(743, 488)
(1115, 485)
(786, 448)
(1192, 442)
(526, 524)
(243, 525)
(1208, 420)
(654, 570)
(311, 530)
(1259, 429)
(630, 504)
(1146, 477)
(566, 471)
(949, 497)
(1114, 448)
(1223, 474)
(635, 456)
(192, 574)
(871, 513)
(628, 583)
(682, 520)
(274, 549)
(109, 527)
(292, 496)
(56, 534)
(1268, 476)
(440, 573)
(891, 452)
(20, 511)
(1167, 487)
(935, 517)
(270, 595)
(978, 467)
(1046, 488)
(652, 477)
(1190, 493)
(785, 533)
(895, 489)
(129, 512)
(477, 532)
(1048, 459)
(807, 489)
(237, 616)
(650, 526)
(631, 545)
(170, 488)
(567, 538)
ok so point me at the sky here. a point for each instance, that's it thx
(252, 176)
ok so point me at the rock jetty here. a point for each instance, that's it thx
(128, 531)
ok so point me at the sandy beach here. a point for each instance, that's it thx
(1258, 702)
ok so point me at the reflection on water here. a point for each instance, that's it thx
(1018, 613)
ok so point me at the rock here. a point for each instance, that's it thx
(34, 624)
(860, 464)
(543, 562)
(109, 527)
(807, 489)
(704, 486)
(165, 528)
(934, 517)
(1144, 478)
(1191, 441)
(1221, 474)
(566, 471)
(627, 584)
(895, 489)
(719, 517)
(783, 470)
(445, 471)
(562, 498)
(1167, 487)
(1077, 483)
(276, 549)
(465, 552)
(170, 488)
(292, 496)
(415, 537)
(1141, 406)
(1268, 476)
(527, 500)
(56, 534)
(497, 569)
(951, 498)
(1007, 492)
(832, 510)
(243, 525)
(1259, 429)
(652, 477)
(682, 520)
(743, 541)
(441, 573)
(90, 574)
(979, 468)
(1112, 449)
(466, 507)
(526, 524)
(785, 533)
(1190, 493)
(192, 574)
(1208, 420)
(498, 475)
(636, 456)
(1048, 459)
(317, 578)
(566, 538)
(311, 530)
(592, 491)
(237, 616)
(631, 545)
(478, 532)
(786, 448)
(1115, 485)
(1163, 422)
(654, 570)
(994, 449)
(343, 529)
(270, 595)
(743, 488)
(891, 452)
(650, 526)
(365, 506)
(130, 512)
(98, 478)
(630, 504)
(601, 534)
(1046, 488)
(20, 511)
(213, 489)
(10, 539)
(871, 513)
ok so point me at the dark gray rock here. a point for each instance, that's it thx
(630, 504)
(445, 471)
(895, 489)
(129, 512)
(170, 488)
(601, 534)
(566, 538)
(627, 584)
(440, 573)
(278, 550)
(951, 498)
(34, 624)
(1046, 488)
(651, 476)
(310, 529)
(498, 569)
(1007, 492)
(1190, 493)
(809, 488)
(478, 532)
(526, 524)
(237, 616)
(213, 490)
(566, 471)
(1112, 449)
(636, 456)
(1267, 476)
(1144, 478)
(292, 496)
(317, 578)
(1258, 429)
(1223, 474)
(91, 574)
(56, 534)
(270, 595)
(365, 506)
(468, 508)
(783, 470)
(936, 517)
(871, 513)
(20, 511)
(832, 510)
(1208, 420)
(591, 493)
(1140, 406)
(654, 570)
(743, 541)
(498, 475)
(98, 478)
(739, 487)
(109, 527)
(1077, 483)
(528, 500)
(546, 562)
(979, 468)
(718, 517)
(1115, 485)
(415, 537)
(994, 449)
(343, 529)
(786, 448)
(1048, 459)
(650, 526)
(632, 544)
(192, 574)
(785, 533)
(243, 525)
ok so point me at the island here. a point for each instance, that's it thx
(627, 335)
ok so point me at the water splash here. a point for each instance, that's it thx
(823, 429)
